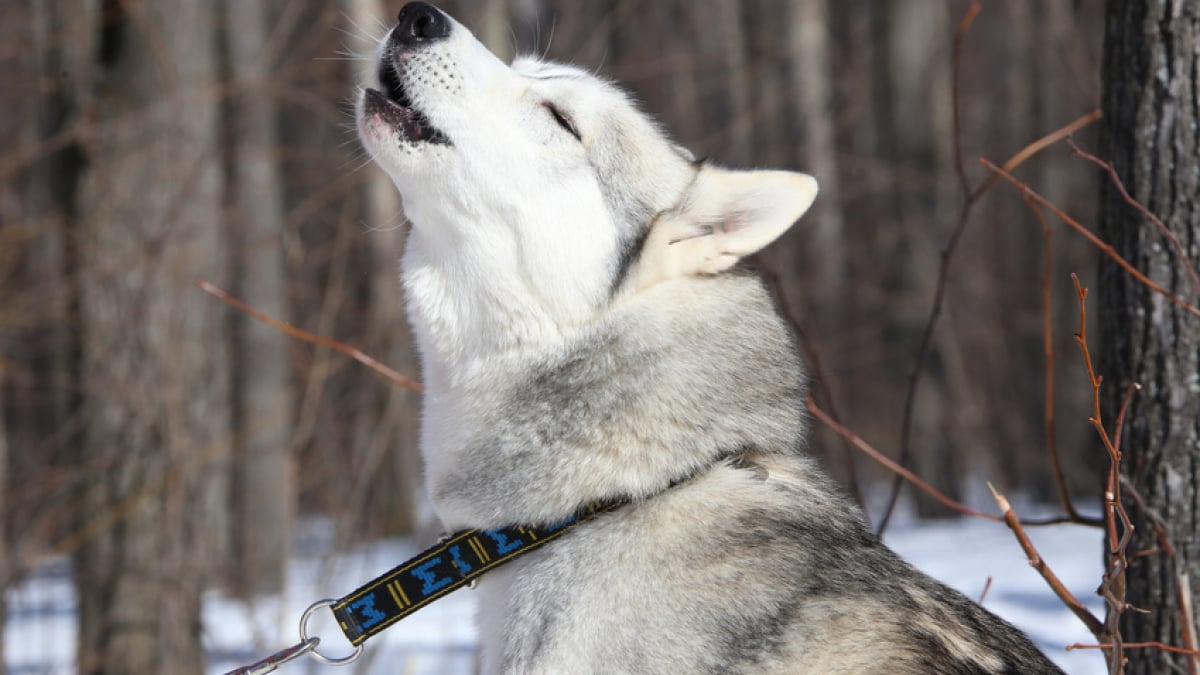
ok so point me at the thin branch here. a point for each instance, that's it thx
(1139, 645)
(304, 335)
(955, 65)
(939, 294)
(1035, 560)
(1041, 144)
(1162, 227)
(987, 586)
(1048, 350)
(911, 477)
(1098, 242)
(1113, 586)
(900, 471)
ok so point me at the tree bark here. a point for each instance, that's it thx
(1151, 107)
(263, 472)
(154, 355)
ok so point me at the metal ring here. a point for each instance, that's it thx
(345, 660)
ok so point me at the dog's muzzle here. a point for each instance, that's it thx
(419, 25)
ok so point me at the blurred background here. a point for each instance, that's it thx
(161, 443)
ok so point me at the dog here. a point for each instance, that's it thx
(587, 334)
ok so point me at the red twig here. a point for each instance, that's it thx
(911, 477)
(1106, 248)
(1035, 560)
(1138, 645)
(970, 197)
(1048, 350)
(900, 471)
(1162, 227)
(299, 334)
(1113, 586)
(955, 64)
(987, 586)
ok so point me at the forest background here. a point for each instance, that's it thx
(156, 434)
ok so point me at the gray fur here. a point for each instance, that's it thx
(584, 339)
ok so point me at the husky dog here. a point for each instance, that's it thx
(587, 335)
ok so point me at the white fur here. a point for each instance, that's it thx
(583, 338)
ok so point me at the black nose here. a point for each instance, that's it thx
(420, 23)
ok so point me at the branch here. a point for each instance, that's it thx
(1035, 560)
(943, 271)
(1048, 350)
(1166, 232)
(309, 337)
(911, 477)
(1139, 645)
(900, 471)
(1097, 241)
(955, 64)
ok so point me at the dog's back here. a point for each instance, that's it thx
(587, 335)
(749, 561)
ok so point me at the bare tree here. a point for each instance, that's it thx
(154, 350)
(263, 472)
(1151, 86)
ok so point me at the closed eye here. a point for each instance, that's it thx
(563, 120)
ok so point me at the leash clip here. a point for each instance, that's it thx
(272, 662)
(343, 661)
(307, 645)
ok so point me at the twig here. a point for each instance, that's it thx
(299, 334)
(1138, 645)
(939, 293)
(1166, 231)
(900, 471)
(948, 502)
(1048, 350)
(987, 586)
(955, 65)
(1113, 586)
(1040, 144)
(1035, 560)
(1106, 248)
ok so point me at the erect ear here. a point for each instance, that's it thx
(726, 216)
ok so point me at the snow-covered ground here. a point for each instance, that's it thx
(439, 640)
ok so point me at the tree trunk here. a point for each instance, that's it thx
(154, 356)
(1151, 93)
(916, 135)
(809, 54)
(263, 472)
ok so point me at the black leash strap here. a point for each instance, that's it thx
(454, 562)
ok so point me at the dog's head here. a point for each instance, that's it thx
(536, 185)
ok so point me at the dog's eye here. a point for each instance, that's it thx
(563, 120)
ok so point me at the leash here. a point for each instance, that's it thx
(456, 561)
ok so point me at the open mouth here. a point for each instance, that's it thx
(392, 103)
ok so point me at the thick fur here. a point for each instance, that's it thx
(586, 335)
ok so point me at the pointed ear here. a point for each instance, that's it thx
(726, 216)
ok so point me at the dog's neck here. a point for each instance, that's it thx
(468, 309)
(479, 287)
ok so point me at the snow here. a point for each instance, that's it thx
(439, 640)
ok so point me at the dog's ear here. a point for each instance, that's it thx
(726, 216)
